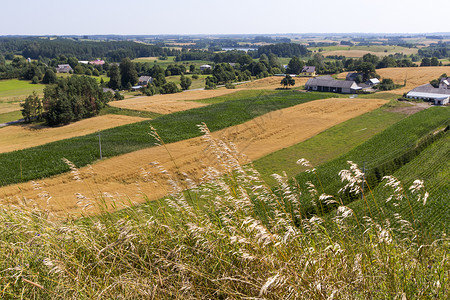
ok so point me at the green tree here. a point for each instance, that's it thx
(73, 99)
(32, 108)
(210, 83)
(192, 68)
(35, 80)
(128, 72)
(244, 60)
(425, 62)
(295, 66)
(264, 59)
(169, 88)
(288, 80)
(114, 77)
(273, 61)
(185, 82)
(434, 61)
(367, 69)
(49, 77)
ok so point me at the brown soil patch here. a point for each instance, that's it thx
(126, 177)
(18, 137)
(410, 110)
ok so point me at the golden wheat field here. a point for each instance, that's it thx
(23, 136)
(132, 174)
(414, 76)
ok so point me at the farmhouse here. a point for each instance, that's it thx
(204, 67)
(329, 84)
(63, 69)
(145, 80)
(427, 92)
(309, 71)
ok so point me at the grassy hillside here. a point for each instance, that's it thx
(44, 161)
(241, 244)
(381, 155)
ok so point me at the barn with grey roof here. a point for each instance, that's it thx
(427, 92)
(329, 84)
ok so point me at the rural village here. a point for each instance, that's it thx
(226, 166)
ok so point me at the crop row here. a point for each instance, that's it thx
(386, 149)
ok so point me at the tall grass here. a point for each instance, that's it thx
(244, 241)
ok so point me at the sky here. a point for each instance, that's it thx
(140, 17)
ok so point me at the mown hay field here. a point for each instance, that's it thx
(23, 136)
(132, 174)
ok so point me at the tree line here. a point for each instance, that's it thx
(36, 48)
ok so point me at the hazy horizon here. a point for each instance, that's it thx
(200, 17)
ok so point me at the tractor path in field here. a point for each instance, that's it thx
(129, 176)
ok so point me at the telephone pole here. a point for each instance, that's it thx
(100, 144)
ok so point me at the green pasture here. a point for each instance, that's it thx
(196, 83)
(15, 88)
(10, 116)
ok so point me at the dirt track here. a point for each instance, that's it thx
(28, 135)
(127, 176)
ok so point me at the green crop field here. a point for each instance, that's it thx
(327, 145)
(381, 153)
(433, 167)
(45, 160)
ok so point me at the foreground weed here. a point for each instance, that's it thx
(231, 237)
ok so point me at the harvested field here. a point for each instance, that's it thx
(414, 76)
(360, 53)
(28, 135)
(128, 176)
(169, 103)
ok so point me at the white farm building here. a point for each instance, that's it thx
(426, 92)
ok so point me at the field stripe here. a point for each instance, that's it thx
(131, 174)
